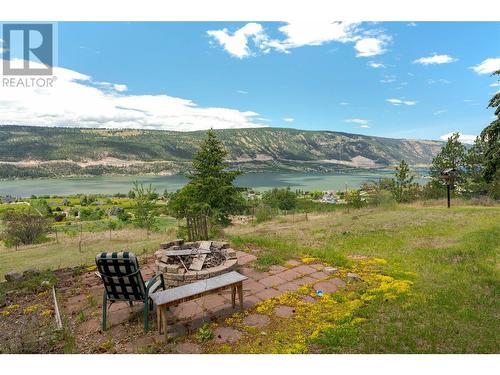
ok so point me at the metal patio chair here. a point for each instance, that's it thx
(123, 282)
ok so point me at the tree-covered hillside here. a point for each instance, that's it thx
(42, 151)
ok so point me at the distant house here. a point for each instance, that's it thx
(329, 197)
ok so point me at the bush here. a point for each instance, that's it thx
(263, 213)
(24, 228)
(284, 199)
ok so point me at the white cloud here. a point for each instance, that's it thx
(411, 24)
(367, 47)
(440, 112)
(497, 84)
(435, 59)
(400, 102)
(388, 79)
(365, 126)
(299, 34)
(431, 81)
(488, 66)
(464, 138)
(237, 43)
(120, 88)
(314, 33)
(357, 121)
(78, 101)
(375, 65)
(289, 119)
(242, 92)
(343, 103)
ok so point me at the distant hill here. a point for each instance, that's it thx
(53, 152)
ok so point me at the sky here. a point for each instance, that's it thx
(415, 80)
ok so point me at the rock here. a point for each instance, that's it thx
(173, 268)
(13, 276)
(330, 270)
(31, 272)
(351, 276)
(45, 283)
(284, 311)
(220, 245)
(166, 245)
(226, 335)
(231, 254)
(188, 348)
(256, 320)
(326, 286)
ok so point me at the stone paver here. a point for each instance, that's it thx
(274, 269)
(226, 335)
(253, 286)
(268, 294)
(289, 275)
(330, 270)
(256, 320)
(211, 301)
(288, 287)
(317, 266)
(252, 273)
(326, 286)
(308, 299)
(250, 301)
(187, 310)
(188, 348)
(304, 269)
(319, 275)
(284, 311)
(304, 280)
(292, 263)
(339, 282)
(271, 281)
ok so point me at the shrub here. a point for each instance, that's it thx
(24, 227)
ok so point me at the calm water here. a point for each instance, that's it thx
(115, 184)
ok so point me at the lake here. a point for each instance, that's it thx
(122, 184)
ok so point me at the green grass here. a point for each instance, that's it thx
(454, 305)
(66, 253)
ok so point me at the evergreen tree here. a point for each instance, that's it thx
(403, 182)
(210, 188)
(491, 138)
(452, 155)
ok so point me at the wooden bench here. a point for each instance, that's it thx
(174, 296)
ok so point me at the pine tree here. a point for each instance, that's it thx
(211, 187)
(491, 137)
(452, 155)
(402, 182)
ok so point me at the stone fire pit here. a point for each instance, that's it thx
(185, 262)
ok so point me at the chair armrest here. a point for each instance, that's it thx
(155, 283)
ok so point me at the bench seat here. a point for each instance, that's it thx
(177, 295)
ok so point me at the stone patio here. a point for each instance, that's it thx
(189, 316)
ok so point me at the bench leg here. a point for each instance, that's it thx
(164, 321)
(240, 295)
(159, 319)
(233, 296)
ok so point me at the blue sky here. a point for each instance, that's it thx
(402, 80)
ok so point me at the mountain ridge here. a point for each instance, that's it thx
(33, 151)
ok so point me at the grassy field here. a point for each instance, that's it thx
(66, 253)
(454, 305)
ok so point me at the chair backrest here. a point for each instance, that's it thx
(121, 276)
